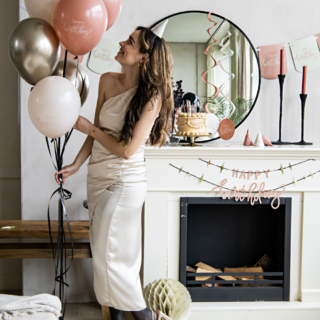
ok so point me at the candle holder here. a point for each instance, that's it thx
(281, 81)
(303, 98)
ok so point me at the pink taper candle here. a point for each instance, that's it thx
(282, 61)
(304, 79)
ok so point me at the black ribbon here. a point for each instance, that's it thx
(60, 253)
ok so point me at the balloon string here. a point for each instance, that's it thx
(60, 253)
(65, 63)
(215, 62)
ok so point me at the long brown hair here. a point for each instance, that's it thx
(155, 79)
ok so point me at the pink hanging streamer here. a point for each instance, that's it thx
(203, 75)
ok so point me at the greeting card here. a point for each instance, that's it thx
(269, 58)
(102, 57)
(305, 52)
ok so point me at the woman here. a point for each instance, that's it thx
(132, 106)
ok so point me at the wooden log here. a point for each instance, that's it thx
(266, 263)
(39, 229)
(42, 250)
(191, 269)
(202, 268)
(218, 285)
(245, 269)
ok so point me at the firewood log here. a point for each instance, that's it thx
(246, 269)
(266, 263)
(202, 268)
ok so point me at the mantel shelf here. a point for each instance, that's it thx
(234, 151)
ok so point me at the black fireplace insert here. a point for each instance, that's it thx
(224, 233)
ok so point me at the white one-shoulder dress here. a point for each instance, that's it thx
(116, 190)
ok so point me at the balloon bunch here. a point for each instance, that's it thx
(60, 87)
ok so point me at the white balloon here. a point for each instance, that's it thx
(43, 9)
(54, 106)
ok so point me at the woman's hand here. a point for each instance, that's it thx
(83, 125)
(66, 172)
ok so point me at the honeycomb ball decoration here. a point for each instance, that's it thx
(170, 297)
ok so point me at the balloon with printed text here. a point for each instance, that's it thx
(54, 106)
(80, 24)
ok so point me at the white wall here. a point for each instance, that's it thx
(264, 22)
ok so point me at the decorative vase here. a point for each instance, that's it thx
(170, 297)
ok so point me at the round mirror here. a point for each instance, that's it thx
(237, 73)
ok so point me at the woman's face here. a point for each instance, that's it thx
(129, 53)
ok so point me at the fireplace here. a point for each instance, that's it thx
(231, 234)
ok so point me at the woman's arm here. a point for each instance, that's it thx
(86, 149)
(139, 134)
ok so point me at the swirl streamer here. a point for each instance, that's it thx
(215, 64)
(231, 75)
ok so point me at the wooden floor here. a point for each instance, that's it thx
(85, 311)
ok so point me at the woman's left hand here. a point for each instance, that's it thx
(83, 125)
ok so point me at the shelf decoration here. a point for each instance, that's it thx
(269, 58)
(259, 141)
(303, 98)
(266, 141)
(226, 129)
(281, 77)
(248, 140)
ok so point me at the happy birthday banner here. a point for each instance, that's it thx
(255, 191)
(305, 52)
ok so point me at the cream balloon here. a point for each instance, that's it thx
(54, 106)
(43, 9)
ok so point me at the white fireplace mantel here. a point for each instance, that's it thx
(162, 217)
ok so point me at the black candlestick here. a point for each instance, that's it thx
(303, 98)
(281, 81)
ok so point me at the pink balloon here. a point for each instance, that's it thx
(114, 8)
(80, 24)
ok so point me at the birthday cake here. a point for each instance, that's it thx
(194, 124)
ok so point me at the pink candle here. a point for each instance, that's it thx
(282, 61)
(304, 79)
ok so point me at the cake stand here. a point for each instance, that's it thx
(191, 144)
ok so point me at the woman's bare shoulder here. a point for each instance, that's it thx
(109, 84)
(110, 77)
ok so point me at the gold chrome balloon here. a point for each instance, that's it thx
(34, 49)
(76, 73)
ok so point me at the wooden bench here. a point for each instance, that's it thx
(38, 229)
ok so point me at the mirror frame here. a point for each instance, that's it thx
(254, 51)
